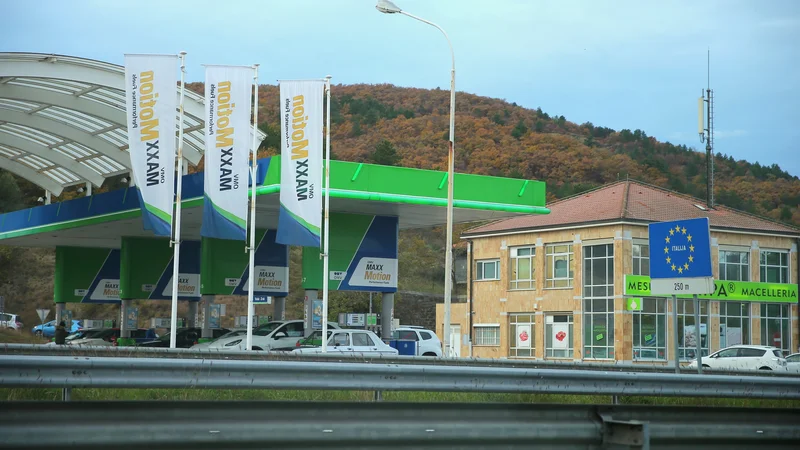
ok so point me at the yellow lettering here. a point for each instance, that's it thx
(224, 137)
(300, 149)
(149, 130)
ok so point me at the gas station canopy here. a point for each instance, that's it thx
(417, 197)
(62, 120)
(62, 123)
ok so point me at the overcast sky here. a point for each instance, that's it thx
(615, 63)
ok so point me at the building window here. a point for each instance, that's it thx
(650, 330)
(687, 336)
(734, 323)
(774, 266)
(775, 326)
(522, 268)
(641, 259)
(521, 334)
(560, 266)
(487, 334)
(734, 265)
(598, 301)
(558, 336)
(488, 270)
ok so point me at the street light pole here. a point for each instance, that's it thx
(387, 7)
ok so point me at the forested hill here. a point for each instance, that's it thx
(495, 137)
(409, 127)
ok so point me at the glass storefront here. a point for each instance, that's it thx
(650, 330)
(598, 301)
(775, 326)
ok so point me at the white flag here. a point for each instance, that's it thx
(228, 105)
(151, 99)
(300, 216)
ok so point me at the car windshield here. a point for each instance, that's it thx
(267, 328)
(231, 334)
(404, 334)
(83, 334)
(314, 339)
(102, 334)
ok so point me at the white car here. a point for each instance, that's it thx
(428, 343)
(353, 342)
(10, 321)
(793, 363)
(95, 337)
(744, 357)
(272, 335)
(233, 333)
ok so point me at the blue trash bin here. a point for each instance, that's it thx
(406, 347)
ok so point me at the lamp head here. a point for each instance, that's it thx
(387, 7)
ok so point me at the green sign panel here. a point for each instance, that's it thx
(86, 275)
(363, 255)
(146, 269)
(224, 267)
(633, 304)
(639, 285)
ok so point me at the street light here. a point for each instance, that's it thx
(387, 7)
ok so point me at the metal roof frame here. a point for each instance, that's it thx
(62, 120)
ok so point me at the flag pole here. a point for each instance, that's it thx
(251, 266)
(176, 229)
(326, 224)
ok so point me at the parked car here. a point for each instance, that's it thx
(184, 338)
(353, 342)
(428, 343)
(793, 363)
(107, 337)
(270, 336)
(10, 321)
(744, 357)
(234, 332)
(49, 329)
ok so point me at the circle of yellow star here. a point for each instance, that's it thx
(678, 230)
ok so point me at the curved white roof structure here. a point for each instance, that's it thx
(62, 120)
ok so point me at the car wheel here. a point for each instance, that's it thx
(38, 333)
(706, 366)
(764, 368)
(258, 349)
(429, 354)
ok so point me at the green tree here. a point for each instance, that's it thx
(498, 119)
(539, 127)
(273, 139)
(10, 195)
(385, 154)
(786, 214)
(519, 130)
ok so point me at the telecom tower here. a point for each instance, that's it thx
(706, 131)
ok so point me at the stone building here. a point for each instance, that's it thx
(554, 286)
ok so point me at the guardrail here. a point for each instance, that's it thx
(144, 352)
(205, 425)
(373, 375)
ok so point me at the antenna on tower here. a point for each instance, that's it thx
(706, 131)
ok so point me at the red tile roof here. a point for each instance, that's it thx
(631, 201)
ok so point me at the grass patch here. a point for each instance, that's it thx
(32, 394)
(20, 337)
